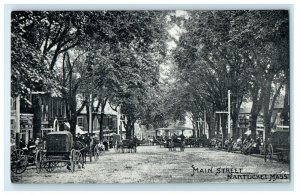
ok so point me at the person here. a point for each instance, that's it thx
(22, 144)
(136, 141)
(110, 142)
(105, 143)
(37, 141)
(31, 144)
(182, 137)
(173, 136)
(230, 144)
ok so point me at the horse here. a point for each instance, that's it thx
(78, 145)
(131, 145)
(176, 142)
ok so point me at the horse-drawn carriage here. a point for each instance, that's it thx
(90, 146)
(127, 144)
(59, 152)
(176, 142)
(159, 140)
(201, 141)
(173, 137)
(278, 145)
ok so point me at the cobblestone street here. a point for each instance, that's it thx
(152, 164)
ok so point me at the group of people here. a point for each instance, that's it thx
(92, 140)
(32, 144)
(247, 145)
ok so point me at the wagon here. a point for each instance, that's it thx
(59, 152)
(278, 145)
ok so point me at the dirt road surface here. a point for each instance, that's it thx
(152, 164)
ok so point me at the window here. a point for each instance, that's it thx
(80, 121)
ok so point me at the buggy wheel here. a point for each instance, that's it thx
(38, 161)
(269, 152)
(96, 153)
(72, 160)
(49, 166)
(91, 154)
(19, 166)
(78, 160)
(16, 154)
(134, 148)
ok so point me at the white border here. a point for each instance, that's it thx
(184, 3)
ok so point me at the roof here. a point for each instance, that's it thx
(245, 110)
(60, 133)
(78, 129)
(279, 103)
(175, 128)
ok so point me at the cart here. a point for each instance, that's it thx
(59, 152)
(278, 145)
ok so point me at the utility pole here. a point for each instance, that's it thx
(205, 122)
(91, 104)
(17, 120)
(90, 113)
(220, 125)
(229, 120)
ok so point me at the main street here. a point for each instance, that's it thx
(152, 164)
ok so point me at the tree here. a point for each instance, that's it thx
(38, 38)
(267, 39)
(214, 57)
(127, 71)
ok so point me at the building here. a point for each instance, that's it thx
(22, 115)
(112, 123)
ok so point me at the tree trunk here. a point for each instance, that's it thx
(285, 115)
(235, 115)
(211, 125)
(196, 129)
(256, 108)
(129, 126)
(235, 129)
(73, 122)
(218, 124)
(224, 127)
(37, 116)
(101, 125)
(72, 116)
(266, 104)
(103, 104)
(87, 107)
(201, 129)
